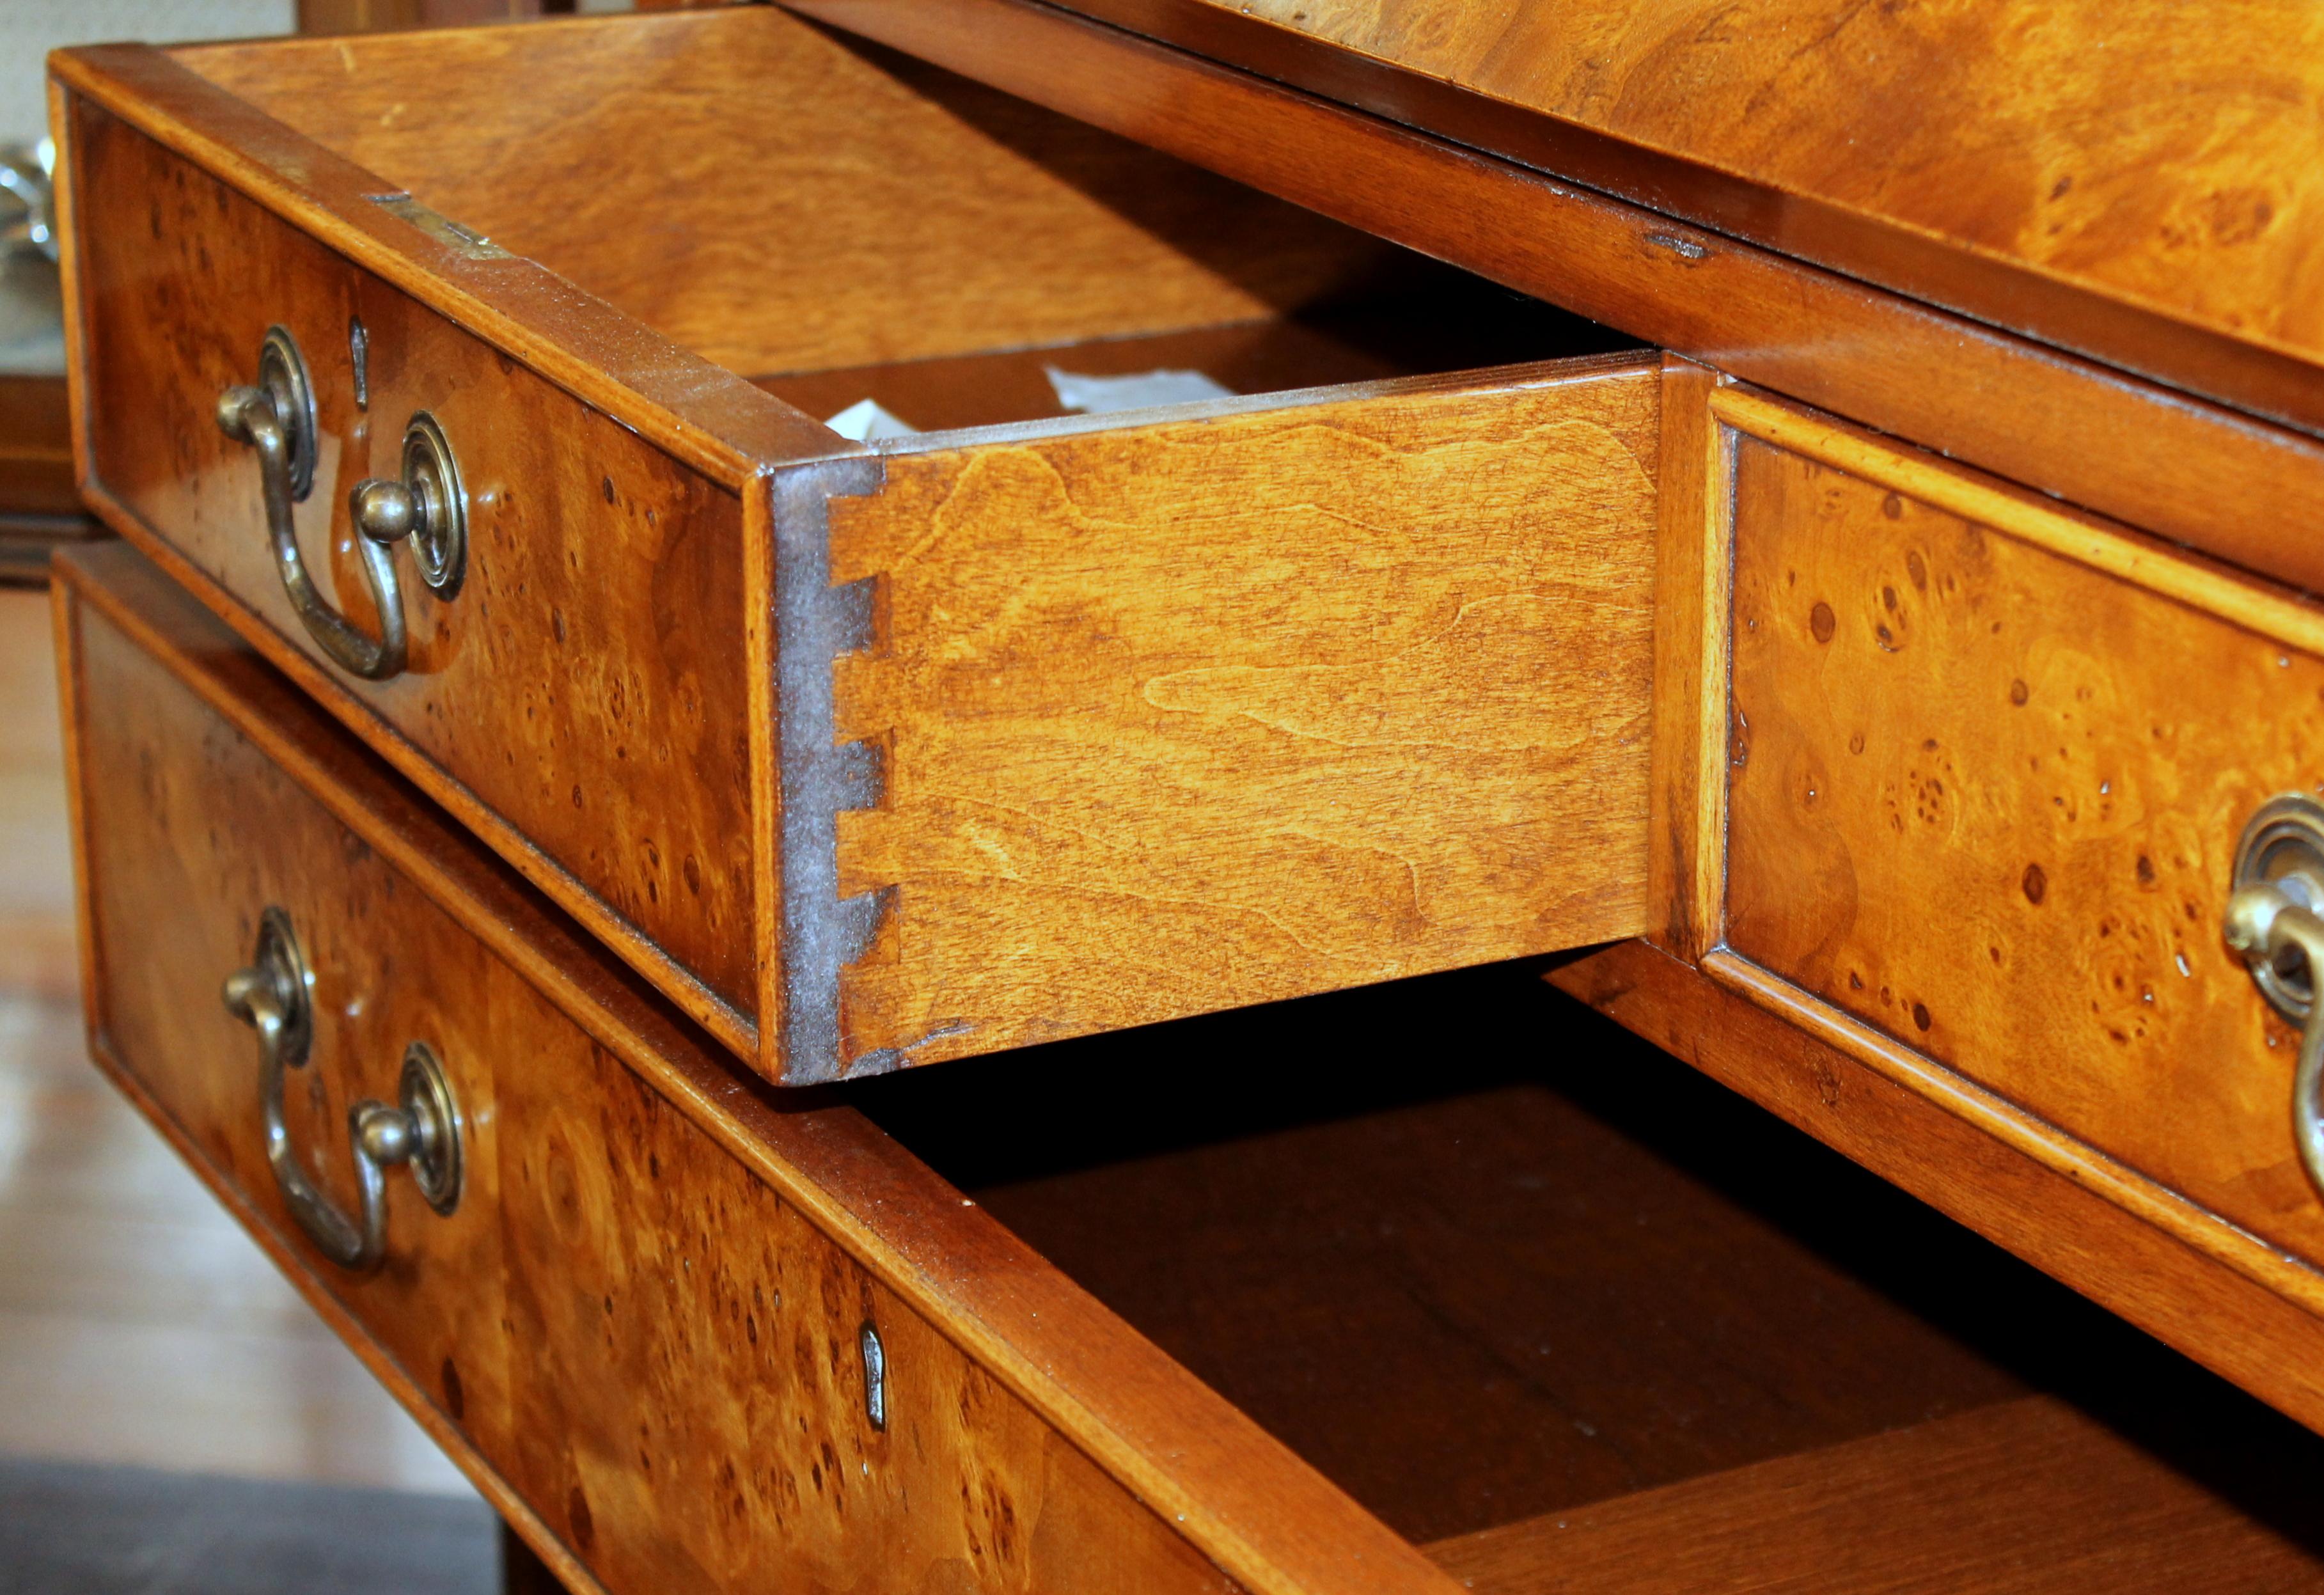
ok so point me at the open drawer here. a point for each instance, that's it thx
(1558, 1315)
(1024, 725)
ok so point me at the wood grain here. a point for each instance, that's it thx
(2023, 1497)
(704, 416)
(869, 1219)
(190, 833)
(594, 658)
(2038, 1206)
(775, 200)
(1693, 560)
(2044, 172)
(2142, 453)
(690, 1403)
(1193, 714)
(1947, 721)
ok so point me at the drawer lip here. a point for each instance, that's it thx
(697, 411)
(1208, 1472)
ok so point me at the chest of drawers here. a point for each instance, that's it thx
(1853, 677)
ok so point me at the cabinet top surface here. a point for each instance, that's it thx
(2107, 178)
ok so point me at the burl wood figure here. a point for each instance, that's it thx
(1795, 523)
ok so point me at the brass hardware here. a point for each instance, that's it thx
(875, 1375)
(429, 506)
(277, 418)
(275, 996)
(2275, 920)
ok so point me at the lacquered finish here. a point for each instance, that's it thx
(639, 1332)
(1957, 707)
(1178, 716)
(2109, 181)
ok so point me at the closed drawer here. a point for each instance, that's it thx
(1991, 763)
(1523, 1325)
(1020, 727)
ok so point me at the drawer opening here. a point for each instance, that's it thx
(838, 223)
(1570, 1315)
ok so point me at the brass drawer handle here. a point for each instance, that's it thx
(272, 997)
(276, 416)
(2275, 920)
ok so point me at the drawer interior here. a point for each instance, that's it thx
(837, 223)
(1568, 1315)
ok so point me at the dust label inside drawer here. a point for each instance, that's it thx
(1191, 603)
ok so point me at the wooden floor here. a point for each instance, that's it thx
(138, 1324)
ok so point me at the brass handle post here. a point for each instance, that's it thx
(428, 507)
(272, 997)
(2275, 920)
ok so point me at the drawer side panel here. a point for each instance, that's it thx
(1985, 798)
(1200, 713)
(582, 699)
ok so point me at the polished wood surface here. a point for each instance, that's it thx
(616, 712)
(2137, 451)
(776, 200)
(601, 625)
(686, 1267)
(2023, 1497)
(139, 1327)
(1200, 713)
(704, 416)
(177, 810)
(2103, 182)
(1959, 706)
(1084, 1417)
(1971, 1155)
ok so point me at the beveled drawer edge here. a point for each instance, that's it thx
(2174, 575)
(2176, 1215)
(2050, 1215)
(1139, 1416)
(699, 413)
(732, 1027)
(2114, 550)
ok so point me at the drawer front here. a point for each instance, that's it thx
(1990, 765)
(645, 1352)
(584, 688)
